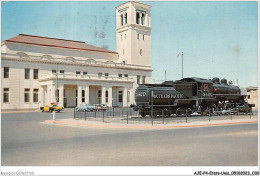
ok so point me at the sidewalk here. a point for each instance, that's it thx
(100, 124)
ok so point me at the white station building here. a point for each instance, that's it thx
(35, 68)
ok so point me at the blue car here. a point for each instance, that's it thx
(85, 107)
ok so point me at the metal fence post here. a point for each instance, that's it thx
(152, 119)
(163, 116)
(186, 116)
(74, 112)
(95, 113)
(85, 114)
(103, 116)
(127, 117)
(113, 111)
(231, 115)
(209, 115)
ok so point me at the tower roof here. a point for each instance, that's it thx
(54, 42)
(135, 2)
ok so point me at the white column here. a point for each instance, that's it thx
(41, 96)
(110, 97)
(125, 97)
(52, 94)
(61, 98)
(103, 96)
(87, 94)
(79, 95)
(131, 97)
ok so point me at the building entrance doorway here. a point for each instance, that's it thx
(70, 96)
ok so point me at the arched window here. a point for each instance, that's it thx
(122, 20)
(125, 18)
(137, 17)
(143, 18)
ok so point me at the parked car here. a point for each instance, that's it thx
(85, 107)
(102, 107)
(51, 107)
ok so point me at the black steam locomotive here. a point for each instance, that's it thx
(189, 95)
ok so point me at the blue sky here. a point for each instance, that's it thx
(218, 39)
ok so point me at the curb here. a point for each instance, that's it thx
(146, 127)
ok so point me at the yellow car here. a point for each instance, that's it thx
(51, 108)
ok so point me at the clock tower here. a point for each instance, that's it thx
(133, 33)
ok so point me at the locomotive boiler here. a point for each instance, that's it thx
(188, 95)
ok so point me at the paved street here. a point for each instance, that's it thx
(27, 141)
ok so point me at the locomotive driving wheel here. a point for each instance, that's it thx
(143, 114)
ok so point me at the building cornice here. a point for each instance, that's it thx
(82, 63)
(134, 26)
(133, 2)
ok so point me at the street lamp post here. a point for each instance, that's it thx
(182, 63)
(165, 75)
(56, 85)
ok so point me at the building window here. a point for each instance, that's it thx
(83, 95)
(125, 36)
(120, 96)
(143, 37)
(122, 20)
(99, 74)
(61, 71)
(85, 73)
(35, 95)
(125, 18)
(138, 36)
(142, 19)
(120, 75)
(26, 95)
(137, 17)
(53, 71)
(99, 96)
(106, 96)
(77, 72)
(138, 79)
(121, 37)
(141, 52)
(6, 72)
(27, 73)
(6, 95)
(106, 74)
(126, 75)
(248, 97)
(143, 79)
(35, 73)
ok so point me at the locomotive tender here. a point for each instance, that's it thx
(187, 96)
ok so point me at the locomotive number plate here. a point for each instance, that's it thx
(206, 94)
